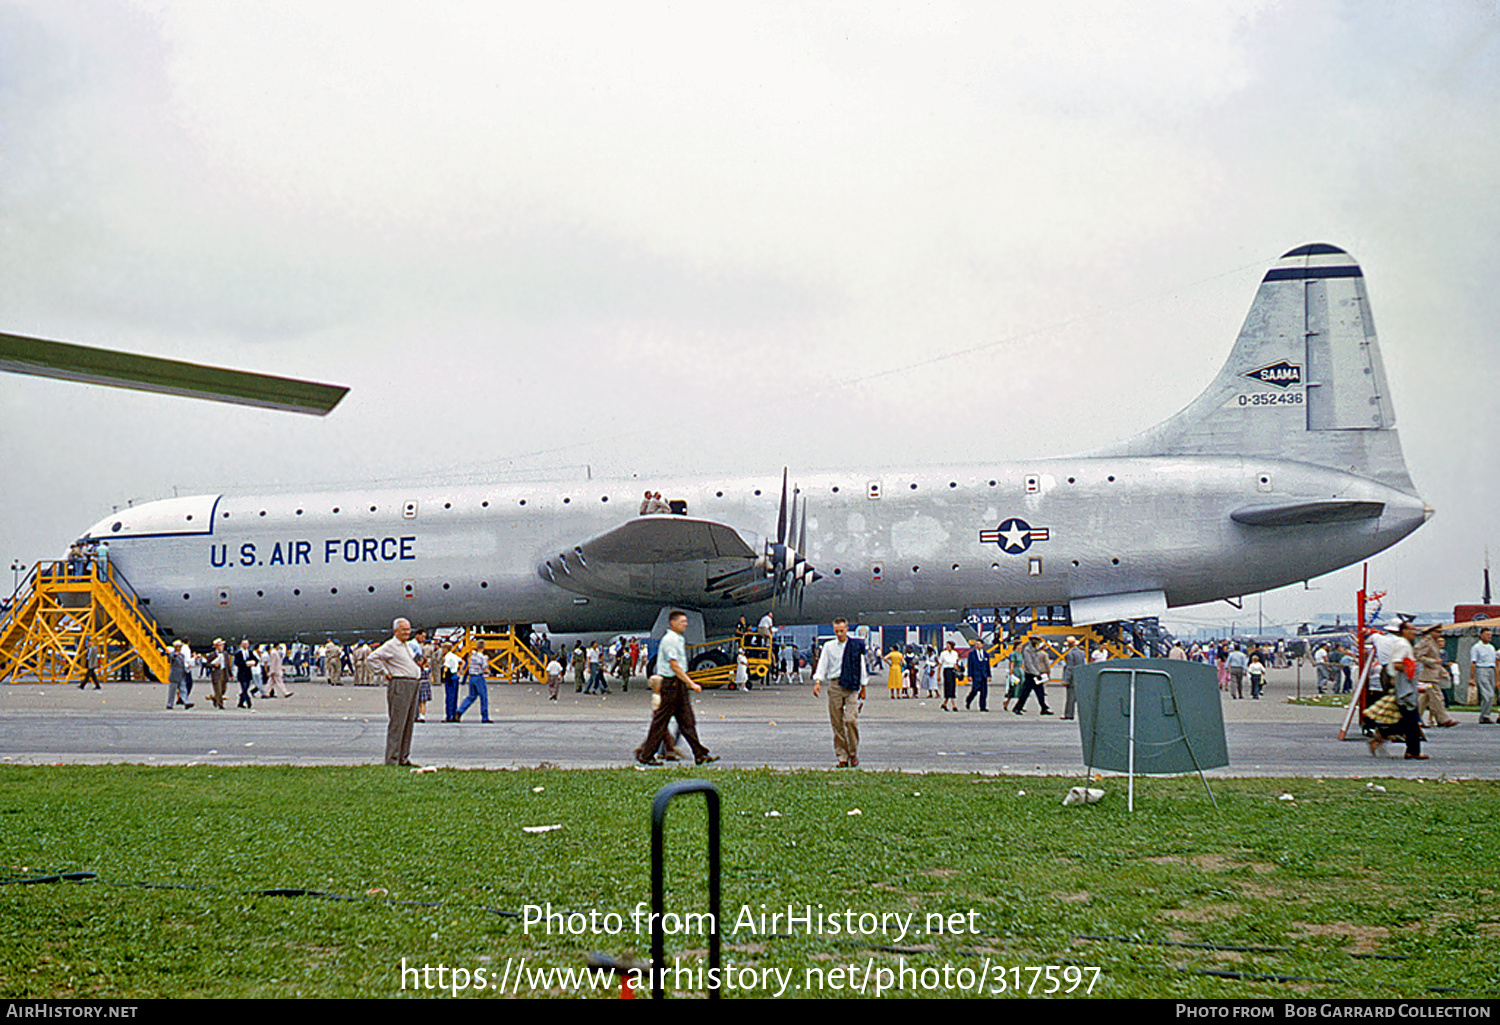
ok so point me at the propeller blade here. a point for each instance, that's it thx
(781, 521)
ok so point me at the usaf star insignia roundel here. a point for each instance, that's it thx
(1014, 535)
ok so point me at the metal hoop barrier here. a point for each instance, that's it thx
(658, 888)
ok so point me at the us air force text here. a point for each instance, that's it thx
(335, 549)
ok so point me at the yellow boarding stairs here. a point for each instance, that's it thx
(510, 658)
(64, 606)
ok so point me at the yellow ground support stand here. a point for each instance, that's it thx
(509, 657)
(61, 609)
(711, 664)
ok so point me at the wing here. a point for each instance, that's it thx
(67, 362)
(665, 560)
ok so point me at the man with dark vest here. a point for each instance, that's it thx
(979, 677)
(842, 664)
(245, 664)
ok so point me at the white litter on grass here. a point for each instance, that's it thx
(1083, 795)
(537, 790)
(1286, 797)
(1375, 787)
(424, 768)
(540, 829)
(855, 811)
(1020, 793)
(773, 814)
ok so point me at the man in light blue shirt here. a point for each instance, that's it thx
(671, 699)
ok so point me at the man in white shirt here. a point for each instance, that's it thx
(393, 658)
(554, 678)
(453, 671)
(1401, 662)
(1482, 673)
(948, 663)
(1237, 663)
(842, 664)
(1320, 661)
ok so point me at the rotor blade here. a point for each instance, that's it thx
(68, 362)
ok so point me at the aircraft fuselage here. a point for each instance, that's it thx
(889, 546)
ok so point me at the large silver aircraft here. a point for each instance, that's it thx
(1287, 467)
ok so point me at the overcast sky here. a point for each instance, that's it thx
(835, 234)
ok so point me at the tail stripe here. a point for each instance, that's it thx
(1303, 273)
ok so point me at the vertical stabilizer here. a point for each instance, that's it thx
(1304, 380)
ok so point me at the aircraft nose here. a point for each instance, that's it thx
(1427, 512)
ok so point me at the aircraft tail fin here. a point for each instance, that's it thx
(1304, 380)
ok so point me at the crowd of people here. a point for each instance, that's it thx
(1408, 674)
(84, 555)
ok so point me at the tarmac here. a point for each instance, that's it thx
(781, 726)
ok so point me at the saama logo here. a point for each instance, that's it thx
(1282, 374)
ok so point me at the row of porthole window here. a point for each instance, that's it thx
(838, 571)
(484, 584)
(567, 500)
(297, 591)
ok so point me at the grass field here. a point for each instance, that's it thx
(1345, 891)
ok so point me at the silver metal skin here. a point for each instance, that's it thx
(1287, 467)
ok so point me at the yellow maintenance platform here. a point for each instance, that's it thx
(66, 609)
(1055, 636)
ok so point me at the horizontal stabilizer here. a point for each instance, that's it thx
(1109, 608)
(1297, 514)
